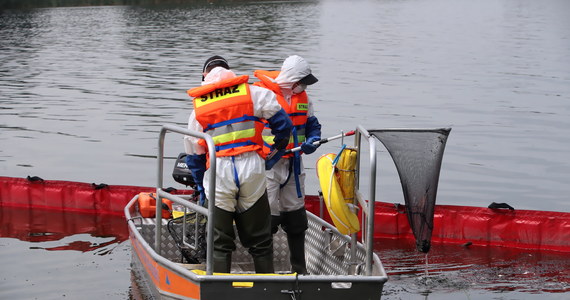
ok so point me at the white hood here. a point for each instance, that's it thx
(294, 69)
(218, 74)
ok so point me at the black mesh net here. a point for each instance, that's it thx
(417, 154)
(195, 235)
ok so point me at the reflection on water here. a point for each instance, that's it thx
(63, 230)
(48, 254)
(82, 242)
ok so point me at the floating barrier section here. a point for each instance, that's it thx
(527, 229)
(477, 226)
(67, 195)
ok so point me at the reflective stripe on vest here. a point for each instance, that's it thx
(232, 132)
(268, 137)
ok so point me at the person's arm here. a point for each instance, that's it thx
(191, 145)
(267, 107)
(313, 134)
(312, 131)
(281, 126)
(197, 165)
(196, 158)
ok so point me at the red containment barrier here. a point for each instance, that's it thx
(525, 229)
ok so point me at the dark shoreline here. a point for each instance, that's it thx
(30, 4)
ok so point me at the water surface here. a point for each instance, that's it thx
(84, 91)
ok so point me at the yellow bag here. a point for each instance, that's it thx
(344, 219)
(345, 173)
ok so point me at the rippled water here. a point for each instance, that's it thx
(460, 272)
(84, 91)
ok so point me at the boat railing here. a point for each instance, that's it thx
(339, 264)
(208, 212)
(369, 262)
(367, 205)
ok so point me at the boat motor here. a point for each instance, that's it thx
(181, 173)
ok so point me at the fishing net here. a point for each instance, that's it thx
(193, 250)
(417, 154)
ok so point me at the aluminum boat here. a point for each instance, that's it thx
(179, 266)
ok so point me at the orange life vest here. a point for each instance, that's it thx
(225, 111)
(298, 111)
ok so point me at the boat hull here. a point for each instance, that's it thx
(335, 271)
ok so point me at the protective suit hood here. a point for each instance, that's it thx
(294, 69)
(218, 74)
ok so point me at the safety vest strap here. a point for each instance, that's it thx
(234, 145)
(298, 114)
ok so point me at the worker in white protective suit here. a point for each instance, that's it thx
(231, 111)
(286, 179)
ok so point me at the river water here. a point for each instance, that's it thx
(84, 91)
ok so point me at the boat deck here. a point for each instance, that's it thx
(327, 252)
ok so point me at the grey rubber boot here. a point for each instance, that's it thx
(254, 230)
(295, 224)
(224, 237)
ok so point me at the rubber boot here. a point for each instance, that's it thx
(254, 230)
(224, 237)
(295, 224)
(297, 252)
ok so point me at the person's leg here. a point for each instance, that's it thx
(275, 178)
(295, 224)
(254, 230)
(224, 237)
(225, 203)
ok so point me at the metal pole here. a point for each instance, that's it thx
(211, 194)
(353, 237)
(357, 141)
(158, 217)
(371, 204)
(211, 205)
(368, 235)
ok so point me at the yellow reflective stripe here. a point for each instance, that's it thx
(269, 139)
(234, 135)
(232, 127)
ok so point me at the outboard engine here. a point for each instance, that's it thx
(181, 173)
